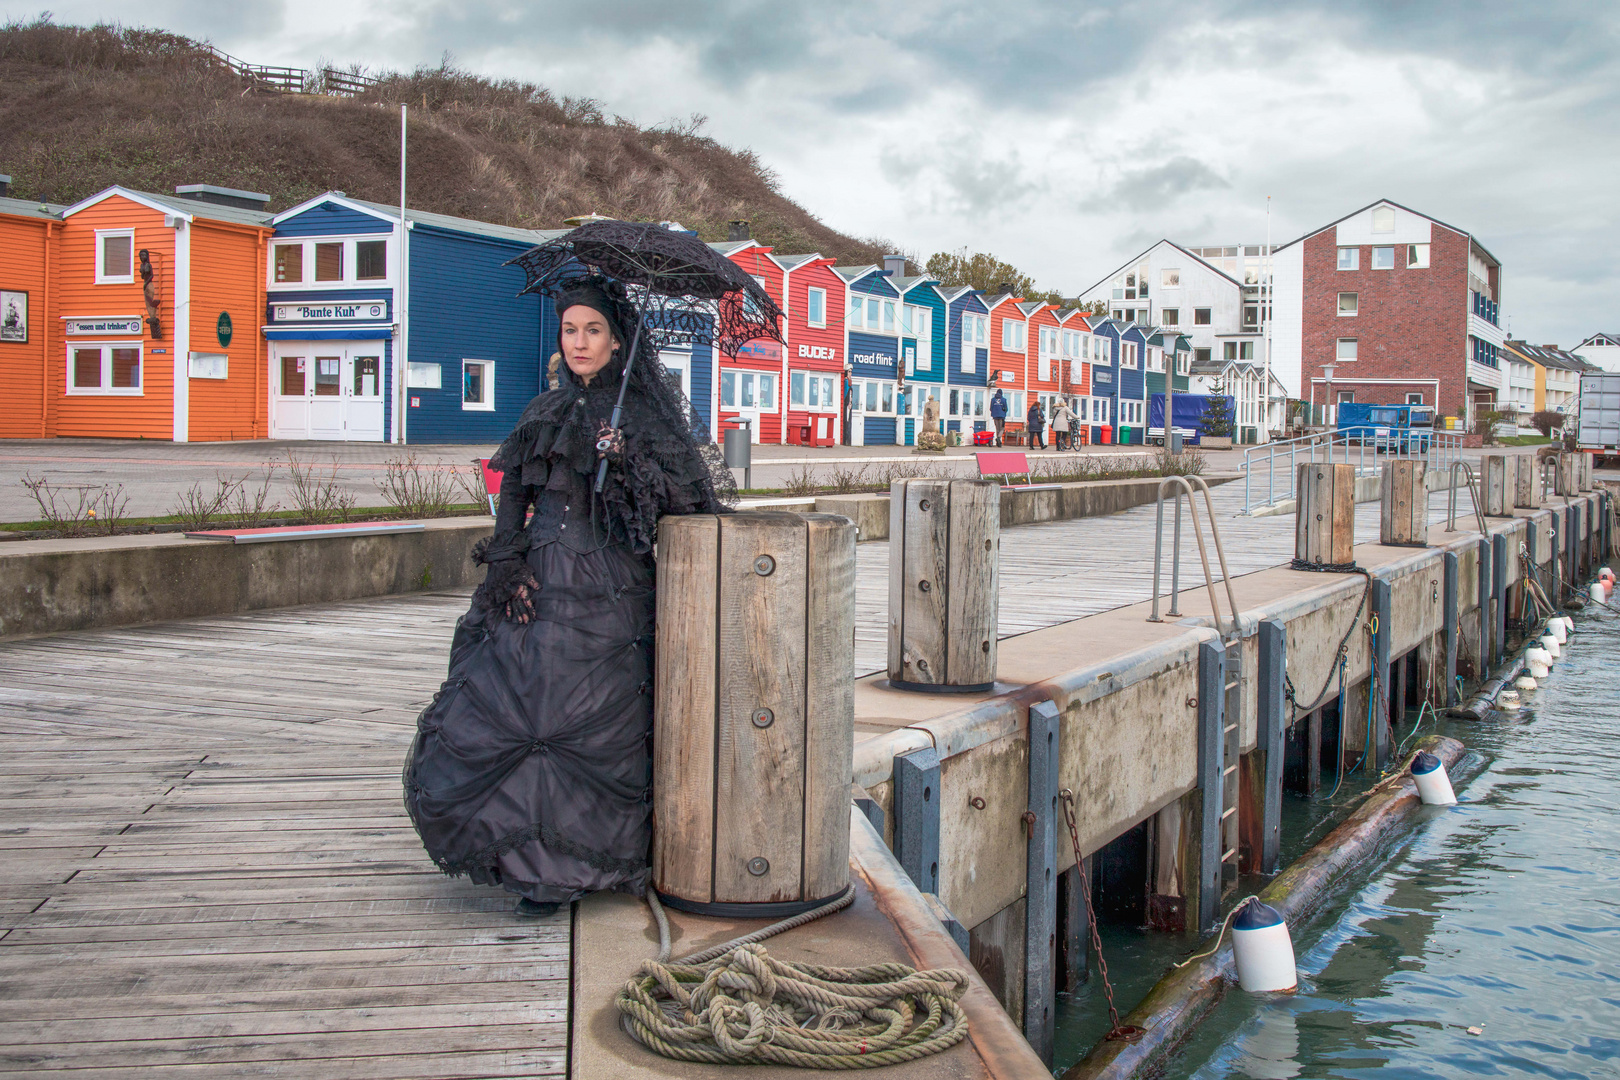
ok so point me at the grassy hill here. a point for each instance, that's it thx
(85, 108)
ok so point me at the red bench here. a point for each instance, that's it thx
(306, 532)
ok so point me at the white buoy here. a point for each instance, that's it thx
(1597, 592)
(1537, 671)
(1556, 628)
(1508, 699)
(1569, 623)
(1434, 787)
(1263, 949)
(1524, 682)
(1535, 655)
(1550, 643)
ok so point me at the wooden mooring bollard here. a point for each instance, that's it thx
(1403, 519)
(754, 712)
(1494, 489)
(944, 551)
(1527, 486)
(1325, 519)
(1565, 480)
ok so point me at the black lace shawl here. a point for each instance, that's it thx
(668, 466)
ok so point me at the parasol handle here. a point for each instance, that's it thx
(618, 406)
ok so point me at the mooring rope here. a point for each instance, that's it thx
(734, 1004)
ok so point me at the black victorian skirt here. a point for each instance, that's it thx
(532, 767)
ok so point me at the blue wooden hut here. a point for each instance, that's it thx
(967, 361)
(880, 411)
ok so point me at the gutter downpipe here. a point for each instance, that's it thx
(45, 352)
(402, 304)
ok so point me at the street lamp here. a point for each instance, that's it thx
(1327, 417)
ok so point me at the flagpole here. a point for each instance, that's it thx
(402, 294)
(1267, 295)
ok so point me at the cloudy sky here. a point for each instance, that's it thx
(1067, 137)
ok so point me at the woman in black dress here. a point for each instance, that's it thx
(532, 768)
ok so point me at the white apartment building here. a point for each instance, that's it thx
(1169, 286)
(1602, 350)
(1519, 395)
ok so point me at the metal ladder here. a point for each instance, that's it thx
(1473, 493)
(1186, 488)
(1231, 757)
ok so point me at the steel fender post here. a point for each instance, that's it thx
(916, 817)
(1040, 922)
(1486, 619)
(1272, 719)
(1379, 736)
(1211, 724)
(1451, 576)
(1499, 575)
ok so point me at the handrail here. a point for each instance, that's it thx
(1437, 448)
(1473, 493)
(1186, 484)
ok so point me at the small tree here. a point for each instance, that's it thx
(1546, 420)
(1217, 418)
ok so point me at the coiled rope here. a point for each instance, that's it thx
(735, 1004)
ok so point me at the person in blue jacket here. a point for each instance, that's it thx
(1036, 421)
(998, 414)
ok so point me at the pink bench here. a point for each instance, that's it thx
(306, 532)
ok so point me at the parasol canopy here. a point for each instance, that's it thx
(685, 289)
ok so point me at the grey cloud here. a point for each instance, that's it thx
(1151, 188)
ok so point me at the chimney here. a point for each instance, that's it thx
(894, 265)
(1554, 348)
(5, 186)
(223, 196)
(737, 230)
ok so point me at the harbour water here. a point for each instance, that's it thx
(1486, 941)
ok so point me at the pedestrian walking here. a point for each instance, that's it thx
(1036, 422)
(1061, 418)
(998, 414)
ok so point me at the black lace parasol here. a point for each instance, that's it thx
(686, 292)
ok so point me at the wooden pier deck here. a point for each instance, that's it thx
(205, 864)
(206, 869)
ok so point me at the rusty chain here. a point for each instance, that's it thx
(1116, 1031)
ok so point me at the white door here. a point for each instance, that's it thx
(857, 429)
(679, 364)
(327, 390)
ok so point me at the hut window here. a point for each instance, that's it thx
(856, 307)
(115, 256)
(370, 260)
(816, 307)
(289, 261)
(478, 385)
(104, 369)
(329, 262)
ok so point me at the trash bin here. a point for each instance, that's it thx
(1124, 436)
(1107, 434)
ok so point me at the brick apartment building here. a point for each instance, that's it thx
(1405, 307)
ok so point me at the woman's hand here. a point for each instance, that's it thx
(520, 608)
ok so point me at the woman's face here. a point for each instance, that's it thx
(587, 342)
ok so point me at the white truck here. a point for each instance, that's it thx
(1598, 428)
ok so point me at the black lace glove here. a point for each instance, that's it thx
(509, 585)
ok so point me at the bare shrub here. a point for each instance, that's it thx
(198, 507)
(252, 508)
(470, 482)
(801, 482)
(78, 509)
(316, 495)
(418, 490)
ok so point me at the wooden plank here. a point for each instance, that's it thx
(759, 786)
(829, 707)
(921, 559)
(974, 604)
(685, 704)
(894, 576)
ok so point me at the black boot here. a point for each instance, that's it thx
(534, 909)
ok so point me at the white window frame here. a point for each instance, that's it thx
(855, 315)
(1355, 308)
(1014, 330)
(1354, 260)
(810, 307)
(1386, 214)
(1127, 355)
(424, 376)
(798, 390)
(1417, 256)
(106, 389)
(487, 405)
(103, 278)
(1373, 263)
(1338, 350)
(351, 262)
